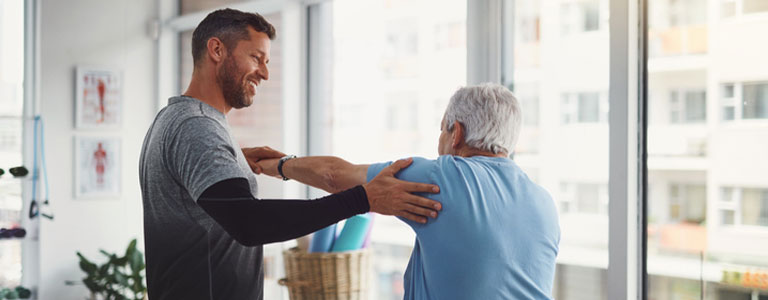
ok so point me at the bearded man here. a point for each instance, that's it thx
(204, 226)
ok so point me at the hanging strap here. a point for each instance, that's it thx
(34, 206)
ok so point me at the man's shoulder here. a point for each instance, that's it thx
(190, 116)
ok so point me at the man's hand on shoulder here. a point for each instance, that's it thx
(255, 154)
(388, 195)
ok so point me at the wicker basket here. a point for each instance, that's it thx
(326, 276)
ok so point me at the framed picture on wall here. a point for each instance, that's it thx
(98, 98)
(97, 167)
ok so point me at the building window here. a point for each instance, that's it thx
(589, 107)
(687, 106)
(754, 207)
(730, 8)
(527, 95)
(755, 6)
(744, 101)
(588, 198)
(687, 203)
(744, 206)
(755, 101)
(580, 16)
(728, 102)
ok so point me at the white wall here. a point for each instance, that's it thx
(95, 33)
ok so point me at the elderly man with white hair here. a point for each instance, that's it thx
(497, 235)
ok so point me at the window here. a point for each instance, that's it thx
(755, 101)
(755, 6)
(528, 21)
(386, 71)
(11, 107)
(687, 203)
(586, 198)
(730, 8)
(580, 16)
(754, 207)
(687, 106)
(677, 27)
(728, 102)
(744, 101)
(584, 108)
(570, 160)
(706, 207)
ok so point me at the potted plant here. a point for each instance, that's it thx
(120, 278)
(18, 293)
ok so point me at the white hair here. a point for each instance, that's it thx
(490, 114)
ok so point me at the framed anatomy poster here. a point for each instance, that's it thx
(97, 167)
(98, 98)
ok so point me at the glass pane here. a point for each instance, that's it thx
(755, 101)
(728, 91)
(727, 217)
(387, 70)
(571, 132)
(753, 6)
(706, 240)
(678, 27)
(11, 105)
(695, 106)
(728, 8)
(754, 207)
(589, 107)
(193, 6)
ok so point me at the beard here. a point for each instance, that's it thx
(235, 92)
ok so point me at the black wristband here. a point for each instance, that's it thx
(280, 165)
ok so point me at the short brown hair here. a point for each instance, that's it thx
(230, 26)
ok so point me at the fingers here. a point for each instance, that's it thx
(396, 166)
(423, 202)
(259, 153)
(255, 167)
(416, 187)
(421, 211)
(412, 217)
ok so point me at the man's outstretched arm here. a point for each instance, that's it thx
(334, 174)
(329, 173)
(253, 222)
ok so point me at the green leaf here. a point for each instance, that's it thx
(121, 278)
(87, 266)
(91, 285)
(136, 261)
(12, 295)
(131, 248)
(23, 292)
(104, 270)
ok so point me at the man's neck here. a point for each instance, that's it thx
(206, 89)
(469, 152)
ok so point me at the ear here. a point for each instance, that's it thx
(216, 50)
(457, 136)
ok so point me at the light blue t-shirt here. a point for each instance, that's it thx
(496, 237)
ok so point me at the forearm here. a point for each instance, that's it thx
(256, 222)
(329, 173)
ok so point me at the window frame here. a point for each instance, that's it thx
(627, 122)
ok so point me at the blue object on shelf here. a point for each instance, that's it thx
(353, 234)
(322, 240)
